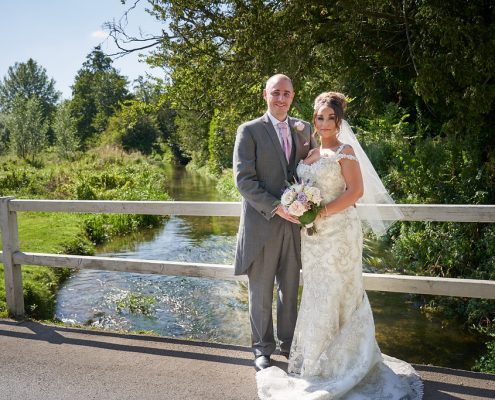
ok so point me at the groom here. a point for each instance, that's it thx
(266, 153)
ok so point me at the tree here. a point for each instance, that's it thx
(97, 91)
(64, 127)
(134, 127)
(434, 59)
(28, 80)
(27, 127)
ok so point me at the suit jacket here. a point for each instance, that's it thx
(260, 174)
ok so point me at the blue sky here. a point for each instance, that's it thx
(59, 34)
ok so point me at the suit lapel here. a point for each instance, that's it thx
(295, 141)
(272, 134)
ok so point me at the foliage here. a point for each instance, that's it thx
(134, 127)
(429, 58)
(153, 94)
(96, 94)
(78, 245)
(28, 127)
(486, 363)
(441, 169)
(220, 144)
(191, 132)
(64, 127)
(4, 133)
(226, 186)
(108, 176)
(27, 80)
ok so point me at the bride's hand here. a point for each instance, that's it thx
(322, 214)
(282, 213)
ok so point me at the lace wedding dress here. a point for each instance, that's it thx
(334, 354)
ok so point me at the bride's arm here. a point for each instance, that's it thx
(354, 185)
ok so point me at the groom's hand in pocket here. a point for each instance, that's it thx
(282, 213)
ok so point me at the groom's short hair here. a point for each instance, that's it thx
(275, 78)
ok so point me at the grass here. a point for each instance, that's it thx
(47, 232)
(42, 233)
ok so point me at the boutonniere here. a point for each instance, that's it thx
(298, 126)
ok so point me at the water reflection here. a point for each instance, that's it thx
(404, 332)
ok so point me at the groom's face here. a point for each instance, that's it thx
(279, 95)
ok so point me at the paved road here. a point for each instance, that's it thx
(39, 361)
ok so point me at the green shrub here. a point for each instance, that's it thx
(226, 186)
(486, 363)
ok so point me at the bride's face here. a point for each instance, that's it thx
(325, 122)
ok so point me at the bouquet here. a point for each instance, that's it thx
(302, 201)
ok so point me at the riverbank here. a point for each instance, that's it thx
(104, 173)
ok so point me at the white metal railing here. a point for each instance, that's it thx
(12, 257)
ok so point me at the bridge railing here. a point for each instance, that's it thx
(12, 256)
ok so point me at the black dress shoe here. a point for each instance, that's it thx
(285, 354)
(261, 362)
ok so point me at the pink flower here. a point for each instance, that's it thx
(297, 208)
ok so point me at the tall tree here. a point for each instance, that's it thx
(28, 127)
(4, 132)
(28, 80)
(97, 91)
(64, 127)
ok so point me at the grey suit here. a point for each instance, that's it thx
(268, 247)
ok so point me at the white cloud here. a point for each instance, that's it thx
(99, 34)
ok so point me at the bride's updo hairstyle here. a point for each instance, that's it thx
(334, 100)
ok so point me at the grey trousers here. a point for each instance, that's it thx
(278, 260)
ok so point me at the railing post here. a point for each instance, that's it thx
(12, 271)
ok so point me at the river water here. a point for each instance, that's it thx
(215, 310)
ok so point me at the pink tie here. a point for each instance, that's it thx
(282, 126)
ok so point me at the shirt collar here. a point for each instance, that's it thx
(275, 121)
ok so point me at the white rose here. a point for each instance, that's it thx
(299, 126)
(313, 194)
(288, 197)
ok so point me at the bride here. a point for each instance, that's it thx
(334, 354)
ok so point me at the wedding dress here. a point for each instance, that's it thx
(334, 354)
